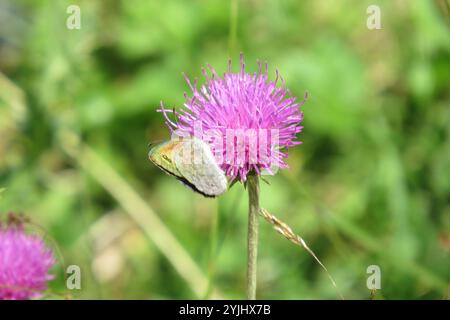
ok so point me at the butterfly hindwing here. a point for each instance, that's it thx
(196, 163)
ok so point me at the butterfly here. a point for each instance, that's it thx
(192, 162)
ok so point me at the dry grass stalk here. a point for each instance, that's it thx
(287, 232)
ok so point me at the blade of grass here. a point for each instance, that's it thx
(139, 211)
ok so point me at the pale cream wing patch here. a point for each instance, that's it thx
(195, 161)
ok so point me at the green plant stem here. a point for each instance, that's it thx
(253, 214)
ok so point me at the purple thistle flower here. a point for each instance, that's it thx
(24, 264)
(241, 102)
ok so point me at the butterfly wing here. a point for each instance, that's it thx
(197, 166)
(162, 156)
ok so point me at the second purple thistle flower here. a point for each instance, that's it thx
(248, 120)
(25, 262)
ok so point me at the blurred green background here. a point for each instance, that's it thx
(369, 186)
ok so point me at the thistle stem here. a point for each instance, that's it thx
(253, 213)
